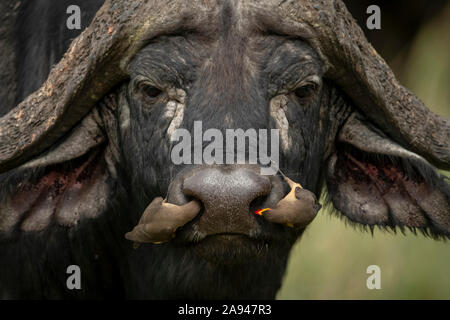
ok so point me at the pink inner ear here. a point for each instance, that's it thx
(384, 177)
(381, 190)
(61, 194)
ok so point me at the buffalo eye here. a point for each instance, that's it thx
(151, 92)
(306, 91)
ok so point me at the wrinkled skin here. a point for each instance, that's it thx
(227, 79)
(231, 73)
(264, 67)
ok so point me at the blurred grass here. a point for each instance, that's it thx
(331, 259)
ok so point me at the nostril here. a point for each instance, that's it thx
(258, 203)
(190, 194)
(190, 197)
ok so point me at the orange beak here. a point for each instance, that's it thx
(260, 211)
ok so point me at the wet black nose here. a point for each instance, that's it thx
(227, 194)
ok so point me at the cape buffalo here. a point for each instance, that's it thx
(86, 166)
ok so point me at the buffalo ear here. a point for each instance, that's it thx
(374, 181)
(63, 185)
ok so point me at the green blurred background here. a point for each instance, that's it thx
(331, 259)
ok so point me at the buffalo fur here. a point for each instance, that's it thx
(229, 81)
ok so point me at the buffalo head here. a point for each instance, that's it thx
(98, 139)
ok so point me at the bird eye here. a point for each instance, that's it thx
(305, 91)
